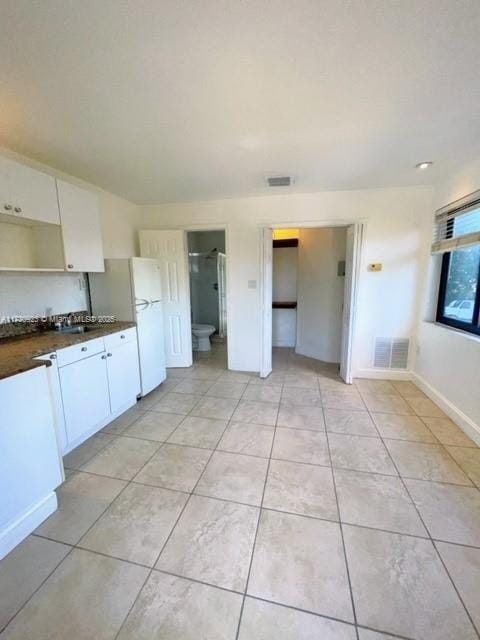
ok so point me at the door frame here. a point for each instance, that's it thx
(360, 227)
(221, 226)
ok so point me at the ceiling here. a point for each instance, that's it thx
(172, 100)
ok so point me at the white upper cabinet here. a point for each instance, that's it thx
(80, 220)
(28, 193)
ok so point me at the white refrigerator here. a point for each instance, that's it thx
(130, 289)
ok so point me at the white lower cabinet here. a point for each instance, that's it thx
(99, 380)
(30, 465)
(123, 375)
(85, 396)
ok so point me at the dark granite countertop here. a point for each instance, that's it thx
(16, 354)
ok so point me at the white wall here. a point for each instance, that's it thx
(120, 220)
(30, 294)
(394, 231)
(320, 293)
(284, 274)
(284, 289)
(448, 361)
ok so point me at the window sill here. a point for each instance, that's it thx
(460, 332)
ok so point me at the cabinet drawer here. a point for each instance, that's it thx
(79, 351)
(121, 337)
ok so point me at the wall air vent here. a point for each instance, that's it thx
(280, 181)
(391, 353)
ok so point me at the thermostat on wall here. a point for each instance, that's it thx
(375, 266)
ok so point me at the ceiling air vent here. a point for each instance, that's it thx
(391, 353)
(280, 181)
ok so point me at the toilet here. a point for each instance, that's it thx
(201, 336)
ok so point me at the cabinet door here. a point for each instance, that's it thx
(30, 465)
(123, 375)
(80, 219)
(85, 396)
(33, 194)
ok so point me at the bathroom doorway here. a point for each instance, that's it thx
(208, 291)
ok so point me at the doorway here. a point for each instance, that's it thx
(171, 248)
(308, 287)
(208, 291)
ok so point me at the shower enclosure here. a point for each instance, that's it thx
(208, 289)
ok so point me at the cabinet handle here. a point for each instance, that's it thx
(109, 355)
(7, 207)
(83, 349)
(53, 356)
(104, 357)
(18, 209)
(69, 266)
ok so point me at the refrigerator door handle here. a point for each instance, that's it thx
(141, 302)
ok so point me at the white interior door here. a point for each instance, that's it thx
(352, 258)
(168, 247)
(266, 293)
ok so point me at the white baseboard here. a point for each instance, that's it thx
(383, 374)
(454, 413)
(27, 522)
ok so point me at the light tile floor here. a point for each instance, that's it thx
(225, 507)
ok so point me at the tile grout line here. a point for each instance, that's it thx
(161, 445)
(72, 546)
(293, 429)
(431, 539)
(342, 533)
(191, 493)
(2, 629)
(240, 617)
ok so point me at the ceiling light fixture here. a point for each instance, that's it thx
(424, 165)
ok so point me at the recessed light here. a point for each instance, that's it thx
(424, 165)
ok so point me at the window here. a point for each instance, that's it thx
(457, 237)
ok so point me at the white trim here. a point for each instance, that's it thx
(313, 224)
(360, 235)
(266, 298)
(28, 521)
(383, 374)
(465, 423)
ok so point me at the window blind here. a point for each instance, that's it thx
(457, 225)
